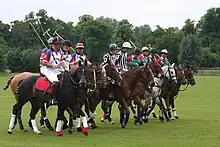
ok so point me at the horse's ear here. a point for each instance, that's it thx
(173, 65)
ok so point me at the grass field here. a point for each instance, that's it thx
(198, 126)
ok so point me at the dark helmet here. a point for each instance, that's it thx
(113, 46)
(56, 40)
(67, 43)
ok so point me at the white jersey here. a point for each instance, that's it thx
(54, 59)
(68, 59)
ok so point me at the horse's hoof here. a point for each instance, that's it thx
(79, 129)
(172, 118)
(51, 129)
(65, 126)
(102, 120)
(112, 122)
(70, 131)
(39, 133)
(123, 126)
(146, 120)
(135, 122)
(168, 120)
(43, 126)
(161, 119)
(176, 117)
(9, 132)
(85, 133)
(93, 126)
(25, 130)
(60, 133)
(154, 115)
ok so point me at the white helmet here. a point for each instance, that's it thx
(126, 45)
(164, 51)
(50, 40)
(145, 49)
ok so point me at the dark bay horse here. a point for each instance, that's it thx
(187, 74)
(26, 93)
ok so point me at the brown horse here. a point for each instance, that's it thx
(13, 83)
(132, 83)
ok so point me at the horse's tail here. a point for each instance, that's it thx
(8, 83)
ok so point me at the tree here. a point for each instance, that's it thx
(189, 27)
(190, 51)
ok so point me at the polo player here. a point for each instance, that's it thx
(42, 54)
(163, 60)
(52, 60)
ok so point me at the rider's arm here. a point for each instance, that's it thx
(46, 60)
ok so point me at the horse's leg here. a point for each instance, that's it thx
(35, 106)
(159, 102)
(60, 116)
(104, 106)
(167, 102)
(172, 102)
(141, 113)
(124, 112)
(13, 118)
(46, 105)
(44, 116)
(70, 123)
(84, 121)
(109, 111)
(21, 126)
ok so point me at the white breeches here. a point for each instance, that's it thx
(43, 70)
(52, 76)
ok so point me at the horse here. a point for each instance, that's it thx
(65, 98)
(131, 83)
(27, 93)
(186, 74)
(14, 83)
(163, 88)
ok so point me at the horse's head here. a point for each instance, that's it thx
(112, 72)
(149, 77)
(81, 76)
(180, 74)
(170, 73)
(189, 74)
(156, 68)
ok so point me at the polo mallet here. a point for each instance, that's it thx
(29, 20)
(55, 33)
(47, 33)
(133, 44)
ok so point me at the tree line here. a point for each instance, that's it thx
(195, 44)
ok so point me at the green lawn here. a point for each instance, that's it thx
(199, 124)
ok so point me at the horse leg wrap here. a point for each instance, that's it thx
(59, 126)
(11, 124)
(84, 121)
(34, 125)
(174, 111)
(78, 122)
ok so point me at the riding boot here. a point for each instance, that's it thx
(55, 86)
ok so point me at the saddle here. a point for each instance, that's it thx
(43, 84)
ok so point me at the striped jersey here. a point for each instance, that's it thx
(122, 59)
(108, 57)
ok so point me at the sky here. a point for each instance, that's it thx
(165, 13)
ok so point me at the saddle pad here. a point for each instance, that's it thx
(43, 85)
